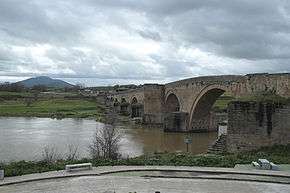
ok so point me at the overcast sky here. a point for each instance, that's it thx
(109, 41)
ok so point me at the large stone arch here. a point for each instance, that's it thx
(199, 117)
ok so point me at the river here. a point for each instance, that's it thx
(25, 138)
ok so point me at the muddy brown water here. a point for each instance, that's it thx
(24, 138)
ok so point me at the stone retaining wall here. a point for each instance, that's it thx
(252, 125)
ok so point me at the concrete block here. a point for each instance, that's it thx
(274, 166)
(265, 164)
(84, 166)
(256, 165)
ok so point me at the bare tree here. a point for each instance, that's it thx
(72, 152)
(106, 141)
(50, 154)
(28, 101)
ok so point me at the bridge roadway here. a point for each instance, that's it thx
(141, 179)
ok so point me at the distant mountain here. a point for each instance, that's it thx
(46, 81)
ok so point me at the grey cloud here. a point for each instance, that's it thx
(237, 29)
(40, 22)
(150, 35)
(232, 33)
(142, 39)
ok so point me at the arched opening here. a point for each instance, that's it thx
(134, 100)
(116, 102)
(202, 111)
(172, 104)
(124, 107)
(123, 100)
(174, 119)
(116, 105)
(136, 108)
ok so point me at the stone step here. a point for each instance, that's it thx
(219, 145)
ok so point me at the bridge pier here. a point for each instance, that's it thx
(175, 122)
(153, 104)
(125, 108)
(117, 107)
(137, 110)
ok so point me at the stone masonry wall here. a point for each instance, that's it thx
(153, 104)
(252, 125)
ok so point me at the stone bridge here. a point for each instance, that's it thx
(186, 105)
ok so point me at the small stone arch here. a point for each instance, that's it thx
(134, 100)
(172, 103)
(116, 101)
(199, 118)
(124, 107)
(123, 100)
(137, 109)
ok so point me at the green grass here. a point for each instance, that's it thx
(277, 154)
(265, 98)
(59, 108)
(5, 95)
(222, 102)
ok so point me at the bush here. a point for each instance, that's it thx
(50, 155)
(277, 154)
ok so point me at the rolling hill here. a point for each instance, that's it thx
(46, 81)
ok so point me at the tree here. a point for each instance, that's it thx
(50, 154)
(72, 153)
(106, 141)
(28, 101)
(12, 87)
(39, 88)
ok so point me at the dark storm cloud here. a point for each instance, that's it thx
(144, 39)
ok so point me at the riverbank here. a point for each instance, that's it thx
(276, 154)
(58, 106)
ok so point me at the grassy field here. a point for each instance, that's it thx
(59, 107)
(276, 154)
(4, 95)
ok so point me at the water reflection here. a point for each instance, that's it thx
(155, 140)
(24, 138)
